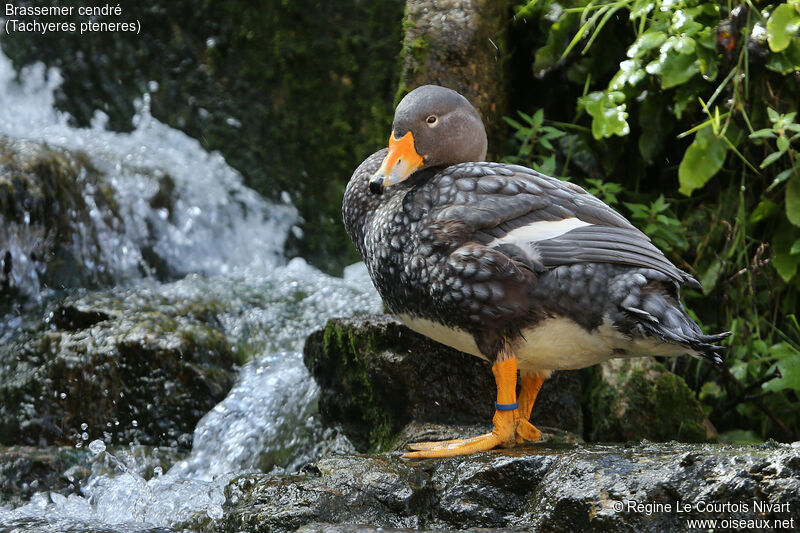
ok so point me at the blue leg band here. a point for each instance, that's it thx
(506, 406)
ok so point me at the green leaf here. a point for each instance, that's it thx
(538, 118)
(771, 158)
(646, 41)
(708, 58)
(710, 9)
(766, 133)
(783, 143)
(789, 367)
(638, 210)
(553, 133)
(708, 279)
(782, 25)
(773, 115)
(795, 247)
(765, 209)
(793, 52)
(784, 262)
(659, 204)
(641, 8)
(684, 45)
(786, 265)
(707, 38)
(607, 109)
(513, 123)
(683, 22)
(547, 166)
(630, 73)
(787, 61)
(675, 69)
(780, 63)
(793, 201)
(605, 191)
(782, 350)
(702, 160)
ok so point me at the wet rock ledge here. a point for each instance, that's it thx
(549, 488)
(383, 385)
(122, 365)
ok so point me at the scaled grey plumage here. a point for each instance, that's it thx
(495, 249)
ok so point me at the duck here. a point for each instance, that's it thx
(529, 272)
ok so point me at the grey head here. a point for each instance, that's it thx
(433, 127)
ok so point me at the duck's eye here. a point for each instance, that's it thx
(431, 120)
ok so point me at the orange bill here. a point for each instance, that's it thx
(401, 161)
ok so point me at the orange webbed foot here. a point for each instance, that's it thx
(452, 448)
(527, 432)
(511, 426)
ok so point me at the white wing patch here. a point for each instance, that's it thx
(539, 231)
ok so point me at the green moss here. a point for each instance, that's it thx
(641, 400)
(364, 401)
(130, 356)
(44, 189)
(677, 409)
(418, 48)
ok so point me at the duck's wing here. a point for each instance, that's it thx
(541, 221)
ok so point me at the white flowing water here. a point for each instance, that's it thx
(217, 225)
(230, 240)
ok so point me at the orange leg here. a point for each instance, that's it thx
(531, 385)
(505, 422)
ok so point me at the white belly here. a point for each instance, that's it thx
(562, 344)
(453, 337)
(553, 344)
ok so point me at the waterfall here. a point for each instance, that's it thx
(220, 240)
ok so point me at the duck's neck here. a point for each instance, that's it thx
(359, 203)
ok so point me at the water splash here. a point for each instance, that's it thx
(266, 423)
(268, 420)
(213, 225)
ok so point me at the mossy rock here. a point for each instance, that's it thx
(48, 235)
(376, 376)
(370, 383)
(121, 366)
(634, 399)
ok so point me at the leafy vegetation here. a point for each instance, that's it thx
(684, 117)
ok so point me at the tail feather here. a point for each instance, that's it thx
(664, 317)
(702, 344)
